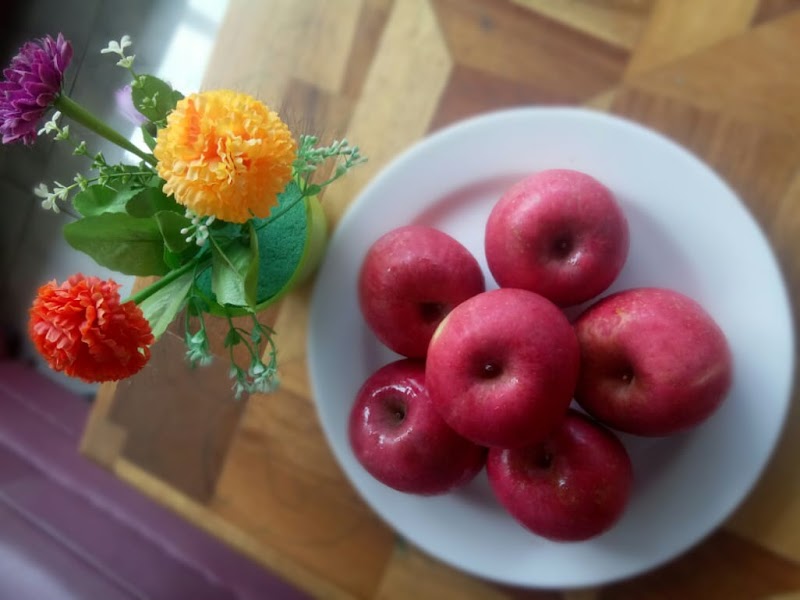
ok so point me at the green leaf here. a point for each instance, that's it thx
(120, 242)
(153, 97)
(197, 306)
(149, 136)
(282, 238)
(160, 308)
(97, 199)
(232, 338)
(282, 241)
(251, 275)
(172, 259)
(170, 225)
(234, 272)
(175, 260)
(149, 201)
(224, 231)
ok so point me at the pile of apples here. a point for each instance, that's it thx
(490, 376)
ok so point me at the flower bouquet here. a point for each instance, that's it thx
(222, 207)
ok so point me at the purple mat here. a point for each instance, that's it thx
(69, 529)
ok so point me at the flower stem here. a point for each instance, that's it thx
(145, 293)
(77, 112)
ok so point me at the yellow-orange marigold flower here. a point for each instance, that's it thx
(225, 154)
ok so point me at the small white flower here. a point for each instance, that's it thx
(198, 358)
(63, 134)
(198, 338)
(82, 182)
(257, 368)
(261, 378)
(41, 191)
(197, 351)
(150, 101)
(126, 62)
(115, 47)
(50, 204)
(48, 198)
(60, 191)
(80, 150)
(52, 124)
(263, 384)
(238, 390)
(197, 231)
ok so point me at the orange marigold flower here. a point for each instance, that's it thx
(81, 328)
(225, 154)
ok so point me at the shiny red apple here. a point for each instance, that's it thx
(559, 233)
(400, 439)
(571, 487)
(410, 279)
(653, 362)
(502, 367)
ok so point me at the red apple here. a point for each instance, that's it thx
(558, 233)
(653, 362)
(400, 439)
(571, 487)
(410, 279)
(502, 367)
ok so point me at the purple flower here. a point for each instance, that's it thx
(32, 83)
(126, 107)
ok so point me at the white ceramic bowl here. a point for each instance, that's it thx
(689, 232)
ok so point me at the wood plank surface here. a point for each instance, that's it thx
(718, 77)
(678, 29)
(617, 22)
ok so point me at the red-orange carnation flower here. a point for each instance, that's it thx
(81, 328)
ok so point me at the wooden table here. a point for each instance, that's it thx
(722, 77)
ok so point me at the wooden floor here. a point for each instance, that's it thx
(721, 77)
